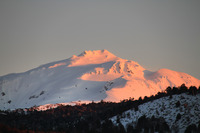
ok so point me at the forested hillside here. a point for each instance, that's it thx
(127, 116)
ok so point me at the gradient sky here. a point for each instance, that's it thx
(155, 33)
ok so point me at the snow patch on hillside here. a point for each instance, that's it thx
(165, 107)
(51, 106)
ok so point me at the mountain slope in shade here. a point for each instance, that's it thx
(90, 76)
(166, 108)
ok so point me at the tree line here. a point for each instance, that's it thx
(86, 118)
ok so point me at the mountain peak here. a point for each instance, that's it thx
(103, 52)
(92, 57)
(90, 76)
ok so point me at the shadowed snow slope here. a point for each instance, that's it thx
(90, 76)
(166, 108)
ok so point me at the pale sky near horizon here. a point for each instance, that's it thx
(155, 33)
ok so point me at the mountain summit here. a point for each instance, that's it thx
(90, 76)
(92, 57)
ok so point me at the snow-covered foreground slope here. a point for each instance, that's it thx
(90, 76)
(166, 108)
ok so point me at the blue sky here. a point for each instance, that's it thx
(156, 34)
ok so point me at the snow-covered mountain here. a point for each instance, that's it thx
(90, 76)
(166, 108)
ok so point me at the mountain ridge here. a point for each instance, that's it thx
(91, 76)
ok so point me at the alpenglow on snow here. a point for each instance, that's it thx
(90, 76)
